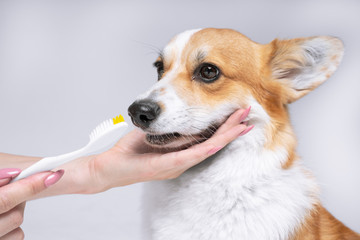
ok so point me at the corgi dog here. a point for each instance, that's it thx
(256, 187)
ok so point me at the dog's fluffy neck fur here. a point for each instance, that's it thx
(243, 190)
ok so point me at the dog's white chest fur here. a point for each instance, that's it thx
(239, 193)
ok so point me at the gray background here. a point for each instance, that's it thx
(67, 65)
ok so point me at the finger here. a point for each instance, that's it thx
(18, 192)
(223, 139)
(6, 174)
(11, 219)
(197, 153)
(236, 118)
(5, 181)
(16, 234)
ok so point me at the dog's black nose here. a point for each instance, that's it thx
(143, 112)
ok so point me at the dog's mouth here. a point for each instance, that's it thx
(162, 139)
(176, 139)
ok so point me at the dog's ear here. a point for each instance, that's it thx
(303, 64)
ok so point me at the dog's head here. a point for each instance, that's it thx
(204, 75)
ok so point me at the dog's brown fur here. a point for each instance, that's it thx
(321, 225)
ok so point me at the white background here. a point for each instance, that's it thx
(67, 65)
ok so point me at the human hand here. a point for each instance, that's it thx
(14, 195)
(128, 161)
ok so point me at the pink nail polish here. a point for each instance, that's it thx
(246, 130)
(214, 150)
(245, 114)
(9, 172)
(54, 178)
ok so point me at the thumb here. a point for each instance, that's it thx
(135, 137)
(15, 193)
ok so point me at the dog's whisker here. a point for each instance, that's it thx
(151, 46)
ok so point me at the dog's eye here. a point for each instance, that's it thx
(160, 68)
(207, 73)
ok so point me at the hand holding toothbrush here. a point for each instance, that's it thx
(126, 163)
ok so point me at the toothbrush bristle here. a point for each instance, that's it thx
(118, 119)
(105, 125)
(101, 128)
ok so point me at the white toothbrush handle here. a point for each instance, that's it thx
(49, 163)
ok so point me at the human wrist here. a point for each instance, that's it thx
(98, 173)
(16, 161)
(80, 177)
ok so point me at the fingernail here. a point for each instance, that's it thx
(246, 130)
(245, 114)
(54, 178)
(9, 172)
(214, 150)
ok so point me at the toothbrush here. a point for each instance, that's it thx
(105, 134)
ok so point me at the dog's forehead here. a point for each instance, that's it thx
(178, 43)
(199, 43)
